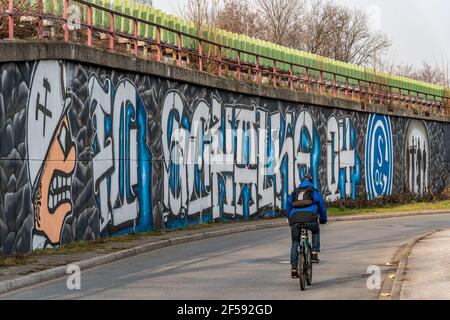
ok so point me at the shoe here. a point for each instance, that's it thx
(294, 273)
(315, 257)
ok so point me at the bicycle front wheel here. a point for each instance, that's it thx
(309, 267)
(301, 270)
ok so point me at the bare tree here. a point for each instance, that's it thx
(240, 17)
(318, 29)
(281, 17)
(200, 12)
(437, 74)
(340, 33)
(317, 26)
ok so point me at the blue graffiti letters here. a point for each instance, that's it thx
(232, 161)
(122, 160)
(379, 156)
(343, 160)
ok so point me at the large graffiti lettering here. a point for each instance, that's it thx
(343, 160)
(121, 157)
(417, 155)
(379, 156)
(232, 161)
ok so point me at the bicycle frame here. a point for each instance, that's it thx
(304, 241)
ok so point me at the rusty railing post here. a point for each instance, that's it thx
(158, 41)
(40, 19)
(435, 105)
(391, 97)
(219, 69)
(402, 96)
(11, 19)
(274, 80)
(89, 25)
(334, 85)
(381, 94)
(346, 86)
(135, 38)
(179, 46)
(66, 20)
(359, 90)
(239, 65)
(200, 55)
(307, 80)
(409, 99)
(257, 70)
(291, 77)
(321, 82)
(111, 31)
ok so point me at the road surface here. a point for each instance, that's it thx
(253, 265)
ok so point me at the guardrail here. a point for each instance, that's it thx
(210, 56)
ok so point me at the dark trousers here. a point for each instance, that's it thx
(295, 234)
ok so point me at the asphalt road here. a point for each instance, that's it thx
(253, 265)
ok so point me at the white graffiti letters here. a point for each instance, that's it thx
(231, 161)
(102, 106)
(343, 162)
(114, 114)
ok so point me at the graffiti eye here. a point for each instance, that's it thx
(65, 139)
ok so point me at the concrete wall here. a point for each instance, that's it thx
(89, 150)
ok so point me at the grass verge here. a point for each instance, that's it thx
(15, 261)
(415, 206)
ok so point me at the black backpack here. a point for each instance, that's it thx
(303, 197)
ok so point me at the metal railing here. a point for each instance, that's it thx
(211, 54)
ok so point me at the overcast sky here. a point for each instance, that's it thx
(419, 28)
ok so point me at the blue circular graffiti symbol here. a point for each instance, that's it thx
(379, 156)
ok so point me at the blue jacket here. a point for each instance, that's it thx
(317, 208)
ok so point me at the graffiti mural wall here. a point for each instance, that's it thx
(87, 152)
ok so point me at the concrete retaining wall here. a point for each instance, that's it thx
(95, 144)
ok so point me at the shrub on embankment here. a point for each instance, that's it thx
(362, 202)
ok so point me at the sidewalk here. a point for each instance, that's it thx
(428, 270)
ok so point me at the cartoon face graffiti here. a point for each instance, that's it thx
(52, 201)
(52, 152)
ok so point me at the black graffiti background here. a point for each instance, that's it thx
(16, 216)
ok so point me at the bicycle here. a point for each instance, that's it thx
(305, 268)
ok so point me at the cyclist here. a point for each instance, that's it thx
(305, 200)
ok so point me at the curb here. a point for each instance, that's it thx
(57, 272)
(401, 268)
